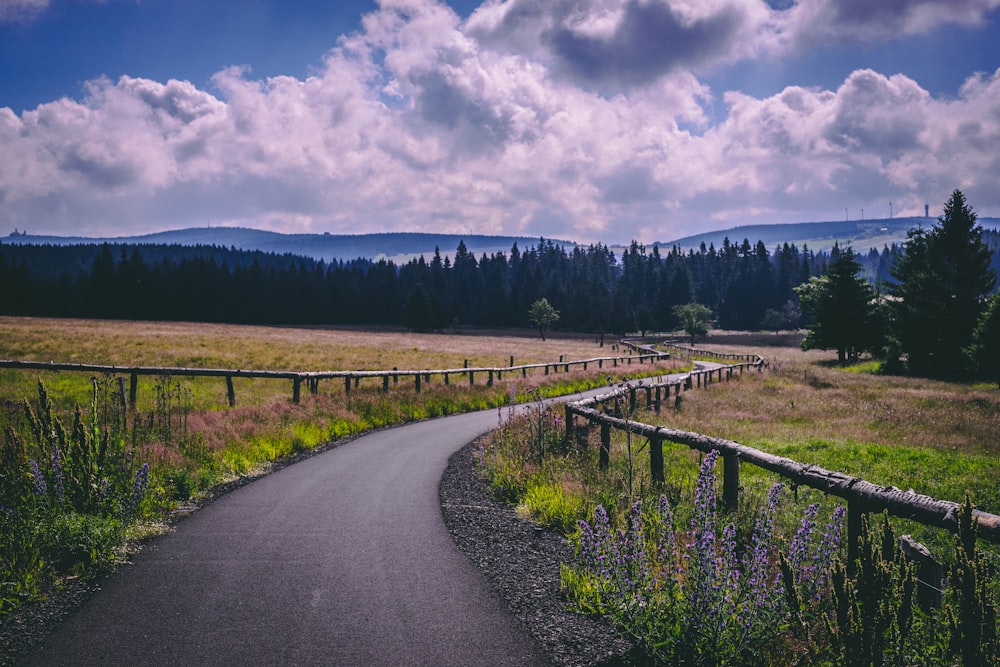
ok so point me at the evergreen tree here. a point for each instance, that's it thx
(942, 278)
(842, 306)
(985, 351)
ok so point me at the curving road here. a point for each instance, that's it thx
(341, 559)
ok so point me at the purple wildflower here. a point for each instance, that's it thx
(38, 478)
(139, 487)
(58, 485)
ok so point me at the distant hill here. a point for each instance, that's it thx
(399, 247)
(862, 235)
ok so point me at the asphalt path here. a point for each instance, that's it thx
(341, 559)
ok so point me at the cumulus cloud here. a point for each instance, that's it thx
(621, 44)
(423, 122)
(849, 21)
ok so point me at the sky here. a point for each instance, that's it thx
(587, 120)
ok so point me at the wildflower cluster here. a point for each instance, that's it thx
(697, 597)
(71, 490)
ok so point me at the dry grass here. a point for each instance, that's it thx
(198, 345)
(217, 442)
(274, 348)
(938, 438)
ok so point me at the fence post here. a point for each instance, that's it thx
(385, 384)
(569, 424)
(446, 379)
(656, 460)
(928, 572)
(347, 384)
(731, 481)
(416, 381)
(121, 391)
(133, 388)
(605, 458)
(296, 388)
(230, 392)
(489, 381)
(855, 515)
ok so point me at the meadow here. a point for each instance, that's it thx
(937, 438)
(83, 475)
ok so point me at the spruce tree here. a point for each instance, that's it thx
(942, 279)
(985, 351)
(843, 309)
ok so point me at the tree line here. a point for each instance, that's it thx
(918, 303)
(593, 288)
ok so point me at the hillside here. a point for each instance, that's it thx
(862, 235)
(398, 247)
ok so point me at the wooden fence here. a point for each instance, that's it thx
(862, 496)
(351, 379)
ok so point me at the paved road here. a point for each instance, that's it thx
(342, 559)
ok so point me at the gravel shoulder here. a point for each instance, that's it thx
(521, 563)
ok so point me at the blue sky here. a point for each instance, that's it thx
(594, 120)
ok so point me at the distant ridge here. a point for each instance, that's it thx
(862, 235)
(399, 246)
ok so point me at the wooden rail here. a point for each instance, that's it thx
(351, 378)
(862, 496)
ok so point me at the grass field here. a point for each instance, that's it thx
(208, 442)
(937, 438)
(940, 439)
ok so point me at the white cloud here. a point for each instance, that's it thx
(421, 122)
(811, 22)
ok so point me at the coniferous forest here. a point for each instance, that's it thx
(592, 288)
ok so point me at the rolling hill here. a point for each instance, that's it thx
(399, 247)
(862, 235)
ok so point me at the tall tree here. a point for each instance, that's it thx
(985, 350)
(842, 306)
(942, 279)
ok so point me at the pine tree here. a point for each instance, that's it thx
(942, 279)
(985, 351)
(842, 305)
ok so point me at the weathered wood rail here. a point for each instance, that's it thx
(351, 379)
(862, 496)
